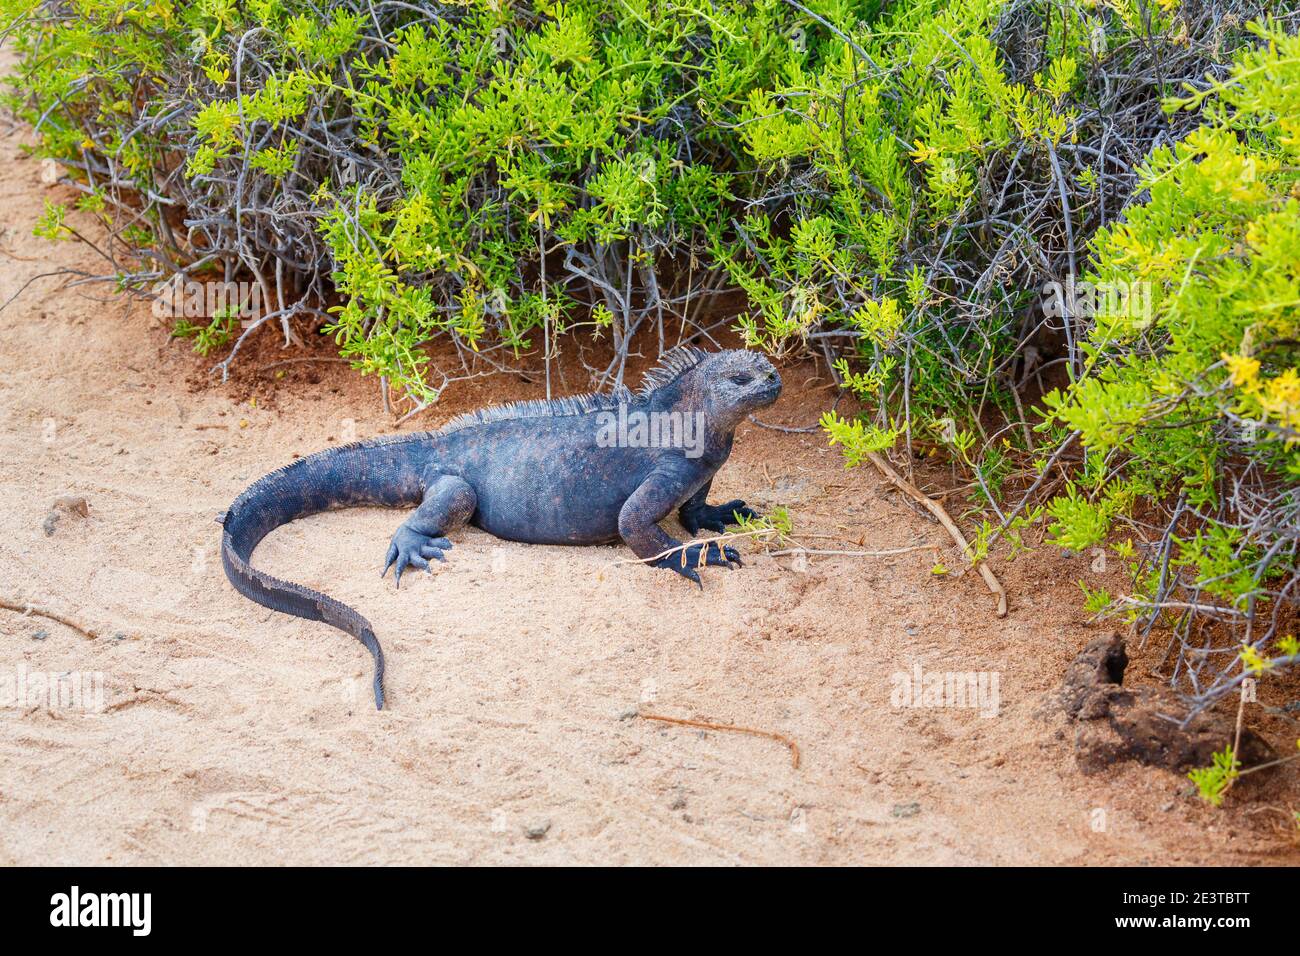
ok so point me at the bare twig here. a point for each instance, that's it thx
(940, 513)
(705, 725)
(32, 609)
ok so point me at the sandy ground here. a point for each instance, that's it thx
(234, 735)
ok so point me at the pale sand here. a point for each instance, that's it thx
(236, 735)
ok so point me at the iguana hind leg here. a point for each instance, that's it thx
(448, 503)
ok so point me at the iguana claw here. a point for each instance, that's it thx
(686, 561)
(412, 549)
(716, 517)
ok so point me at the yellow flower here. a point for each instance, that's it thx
(1284, 393)
(1244, 369)
(1253, 661)
(1287, 386)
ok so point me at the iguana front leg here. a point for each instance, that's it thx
(696, 513)
(638, 524)
(448, 503)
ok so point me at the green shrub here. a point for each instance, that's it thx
(1196, 404)
(486, 171)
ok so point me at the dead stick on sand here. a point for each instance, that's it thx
(888, 552)
(704, 725)
(728, 536)
(29, 609)
(938, 511)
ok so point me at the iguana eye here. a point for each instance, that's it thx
(742, 379)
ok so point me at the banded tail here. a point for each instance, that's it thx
(383, 471)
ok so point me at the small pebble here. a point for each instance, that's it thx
(73, 505)
(538, 830)
(40, 635)
(903, 810)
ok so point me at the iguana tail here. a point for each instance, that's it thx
(384, 472)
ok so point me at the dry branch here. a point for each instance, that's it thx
(27, 610)
(705, 725)
(942, 515)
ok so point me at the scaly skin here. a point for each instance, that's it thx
(537, 472)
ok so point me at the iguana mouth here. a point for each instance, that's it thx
(773, 391)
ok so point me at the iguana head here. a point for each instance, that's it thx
(723, 386)
(734, 384)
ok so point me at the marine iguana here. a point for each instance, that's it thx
(540, 472)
